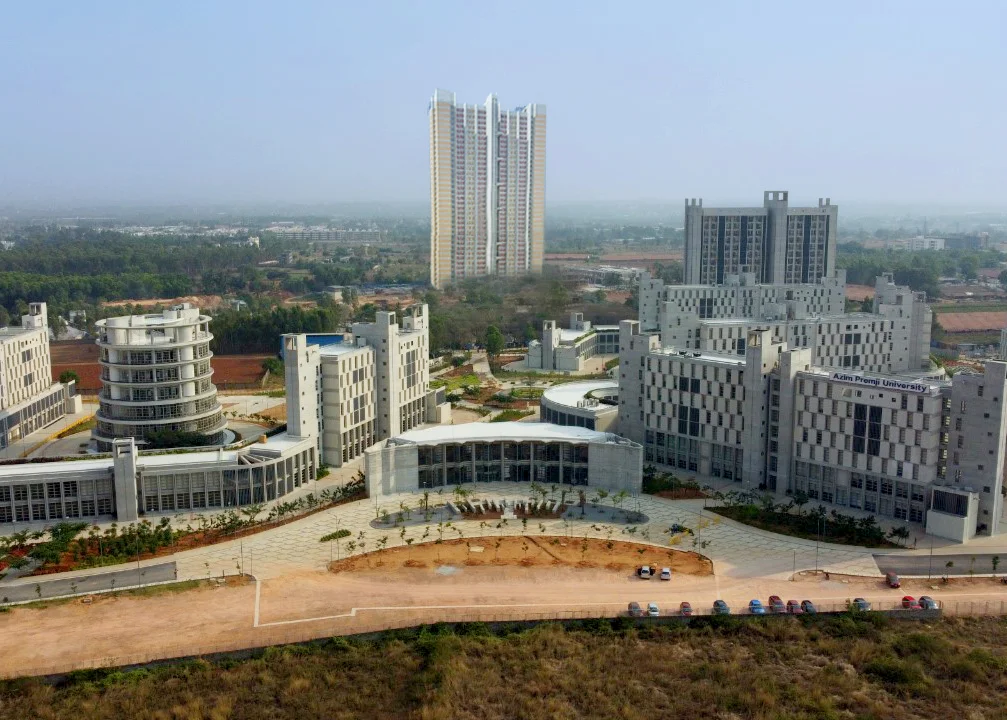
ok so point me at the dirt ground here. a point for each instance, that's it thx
(460, 416)
(529, 551)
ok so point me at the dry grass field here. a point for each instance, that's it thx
(866, 666)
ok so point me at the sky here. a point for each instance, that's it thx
(313, 102)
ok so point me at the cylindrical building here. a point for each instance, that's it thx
(156, 377)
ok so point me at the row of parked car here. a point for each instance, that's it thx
(776, 606)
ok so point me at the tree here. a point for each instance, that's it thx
(800, 500)
(68, 376)
(5, 316)
(494, 341)
(995, 561)
(947, 567)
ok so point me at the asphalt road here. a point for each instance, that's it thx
(89, 583)
(920, 564)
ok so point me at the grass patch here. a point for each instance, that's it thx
(458, 382)
(273, 393)
(512, 415)
(790, 668)
(527, 393)
(806, 525)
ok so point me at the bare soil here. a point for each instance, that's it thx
(528, 551)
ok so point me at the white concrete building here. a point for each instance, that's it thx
(777, 243)
(567, 349)
(129, 484)
(372, 385)
(29, 399)
(513, 451)
(156, 377)
(592, 404)
(772, 420)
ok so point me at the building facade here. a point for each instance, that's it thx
(156, 377)
(772, 420)
(777, 243)
(29, 399)
(567, 349)
(487, 189)
(492, 452)
(371, 385)
(128, 484)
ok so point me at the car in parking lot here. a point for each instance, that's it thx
(635, 610)
(928, 603)
(892, 580)
(685, 608)
(653, 610)
(808, 607)
(794, 608)
(721, 608)
(860, 604)
(646, 572)
(755, 607)
(776, 605)
(910, 603)
(666, 573)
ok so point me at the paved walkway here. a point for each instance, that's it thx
(26, 445)
(737, 550)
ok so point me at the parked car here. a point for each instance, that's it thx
(776, 605)
(808, 607)
(685, 608)
(646, 572)
(721, 608)
(755, 607)
(910, 603)
(794, 608)
(666, 573)
(860, 604)
(653, 610)
(892, 580)
(928, 603)
(635, 610)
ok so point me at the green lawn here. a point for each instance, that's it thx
(455, 383)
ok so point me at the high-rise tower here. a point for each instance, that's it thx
(775, 242)
(487, 189)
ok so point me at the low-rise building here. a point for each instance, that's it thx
(567, 349)
(513, 451)
(592, 404)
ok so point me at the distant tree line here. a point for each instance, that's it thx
(919, 270)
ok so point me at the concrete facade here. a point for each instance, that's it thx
(777, 243)
(156, 377)
(567, 349)
(372, 385)
(593, 404)
(29, 399)
(523, 452)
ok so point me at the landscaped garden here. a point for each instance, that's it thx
(789, 518)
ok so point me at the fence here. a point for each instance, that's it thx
(376, 621)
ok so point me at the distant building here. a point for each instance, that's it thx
(487, 189)
(567, 349)
(777, 243)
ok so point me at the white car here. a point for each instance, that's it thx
(666, 573)
(653, 610)
(645, 572)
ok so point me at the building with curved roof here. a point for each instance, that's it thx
(507, 451)
(156, 377)
(592, 404)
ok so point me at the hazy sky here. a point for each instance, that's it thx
(244, 102)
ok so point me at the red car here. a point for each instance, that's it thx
(776, 605)
(686, 609)
(892, 580)
(910, 603)
(794, 607)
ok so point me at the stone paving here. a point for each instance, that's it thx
(737, 550)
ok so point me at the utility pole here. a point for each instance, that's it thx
(793, 576)
(930, 569)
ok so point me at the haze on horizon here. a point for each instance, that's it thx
(162, 103)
